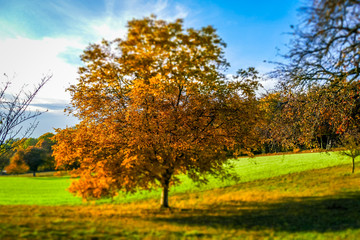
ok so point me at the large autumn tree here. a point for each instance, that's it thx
(152, 105)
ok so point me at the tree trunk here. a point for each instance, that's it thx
(34, 174)
(353, 167)
(164, 202)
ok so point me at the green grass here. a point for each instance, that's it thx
(36, 190)
(52, 190)
(314, 204)
(249, 169)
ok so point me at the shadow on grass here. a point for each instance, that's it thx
(319, 214)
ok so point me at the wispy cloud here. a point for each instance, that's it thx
(47, 37)
(108, 18)
(50, 104)
(58, 52)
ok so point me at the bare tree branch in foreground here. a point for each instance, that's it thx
(14, 111)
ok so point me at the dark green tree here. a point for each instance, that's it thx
(34, 157)
(46, 142)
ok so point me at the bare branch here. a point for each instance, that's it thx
(14, 111)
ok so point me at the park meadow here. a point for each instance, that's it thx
(295, 196)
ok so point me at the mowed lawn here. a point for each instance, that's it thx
(36, 190)
(52, 190)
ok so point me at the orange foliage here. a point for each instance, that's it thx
(154, 105)
(17, 164)
(302, 118)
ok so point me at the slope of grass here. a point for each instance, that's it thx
(249, 169)
(314, 204)
(52, 190)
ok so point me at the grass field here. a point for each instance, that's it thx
(52, 190)
(321, 203)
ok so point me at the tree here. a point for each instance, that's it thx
(351, 143)
(17, 164)
(315, 118)
(326, 45)
(320, 83)
(153, 105)
(270, 105)
(29, 142)
(4, 161)
(34, 157)
(45, 142)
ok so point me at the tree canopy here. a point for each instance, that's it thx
(152, 105)
(17, 164)
(37, 151)
(318, 101)
(33, 157)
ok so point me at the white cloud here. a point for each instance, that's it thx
(113, 24)
(109, 29)
(29, 60)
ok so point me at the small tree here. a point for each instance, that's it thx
(351, 144)
(17, 164)
(34, 157)
(154, 105)
(46, 142)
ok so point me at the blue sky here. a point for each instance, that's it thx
(39, 37)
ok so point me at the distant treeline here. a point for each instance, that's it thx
(27, 155)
